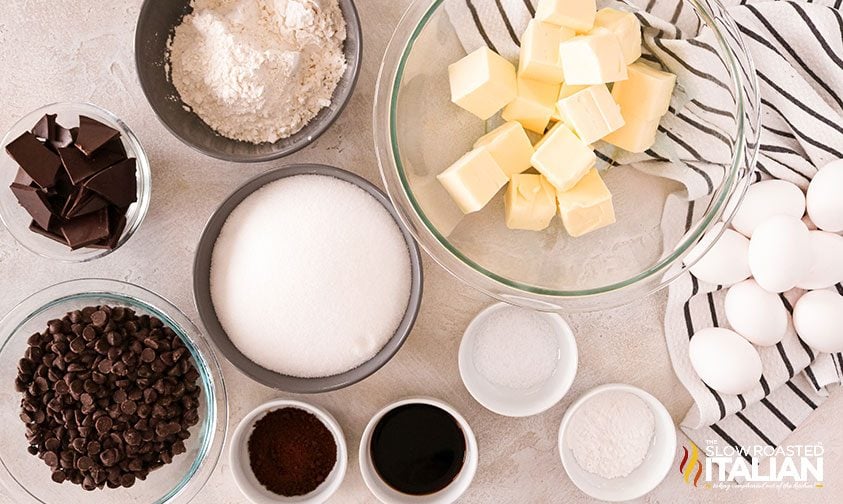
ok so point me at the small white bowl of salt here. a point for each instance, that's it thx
(617, 442)
(517, 362)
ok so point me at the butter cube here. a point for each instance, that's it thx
(473, 180)
(577, 15)
(596, 58)
(587, 206)
(646, 93)
(626, 27)
(591, 113)
(533, 106)
(562, 157)
(482, 82)
(539, 58)
(510, 146)
(529, 202)
(565, 91)
(636, 135)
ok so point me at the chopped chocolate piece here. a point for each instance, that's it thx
(115, 145)
(85, 230)
(93, 135)
(22, 178)
(35, 202)
(118, 184)
(45, 128)
(84, 203)
(53, 235)
(36, 160)
(79, 167)
(118, 225)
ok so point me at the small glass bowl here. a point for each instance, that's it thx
(27, 479)
(17, 220)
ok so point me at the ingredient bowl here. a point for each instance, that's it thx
(17, 220)
(517, 402)
(26, 478)
(241, 468)
(156, 24)
(642, 480)
(205, 306)
(419, 133)
(389, 495)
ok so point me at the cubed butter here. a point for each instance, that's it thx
(577, 15)
(636, 135)
(596, 58)
(529, 202)
(587, 206)
(473, 180)
(591, 113)
(565, 91)
(510, 146)
(562, 157)
(482, 82)
(539, 59)
(533, 106)
(646, 93)
(627, 29)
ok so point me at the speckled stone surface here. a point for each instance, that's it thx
(75, 50)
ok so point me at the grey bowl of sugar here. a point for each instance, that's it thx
(156, 25)
(202, 288)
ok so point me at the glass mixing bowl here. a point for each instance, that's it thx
(419, 133)
(26, 478)
(17, 220)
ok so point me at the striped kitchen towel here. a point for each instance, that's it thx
(797, 48)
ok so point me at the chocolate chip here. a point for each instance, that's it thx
(104, 424)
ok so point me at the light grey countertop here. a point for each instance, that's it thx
(75, 50)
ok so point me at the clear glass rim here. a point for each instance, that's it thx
(388, 151)
(215, 422)
(144, 183)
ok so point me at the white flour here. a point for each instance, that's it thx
(611, 434)
(258, 70)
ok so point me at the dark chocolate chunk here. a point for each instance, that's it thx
(35, 202)
(45, 128)
(54, 235)
(93, 135)
(85, 230)
(22, 178)
(84, 203)
(37, 161)
(118, 184)
(117, 220)
(79, 167)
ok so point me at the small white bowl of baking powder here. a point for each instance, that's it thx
(617, 442)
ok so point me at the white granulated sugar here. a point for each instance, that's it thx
(611, 434)
(516, 348)
(258, 70)
(310, 276)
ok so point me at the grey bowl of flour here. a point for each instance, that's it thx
(156, 25)
(214, 328)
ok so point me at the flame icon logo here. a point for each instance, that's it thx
(691, 464)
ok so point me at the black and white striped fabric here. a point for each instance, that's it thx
(797, 48)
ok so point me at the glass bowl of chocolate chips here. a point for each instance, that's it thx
(75, 182)
(108, 393)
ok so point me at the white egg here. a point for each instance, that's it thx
(780, 253)
(725, 263)
(825, 204)
(827, 267)
(757, 315)
(818, 319)
(724, 361)
(766, 199)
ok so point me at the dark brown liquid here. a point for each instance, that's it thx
(418, 449)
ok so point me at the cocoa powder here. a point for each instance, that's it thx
(291, 452)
